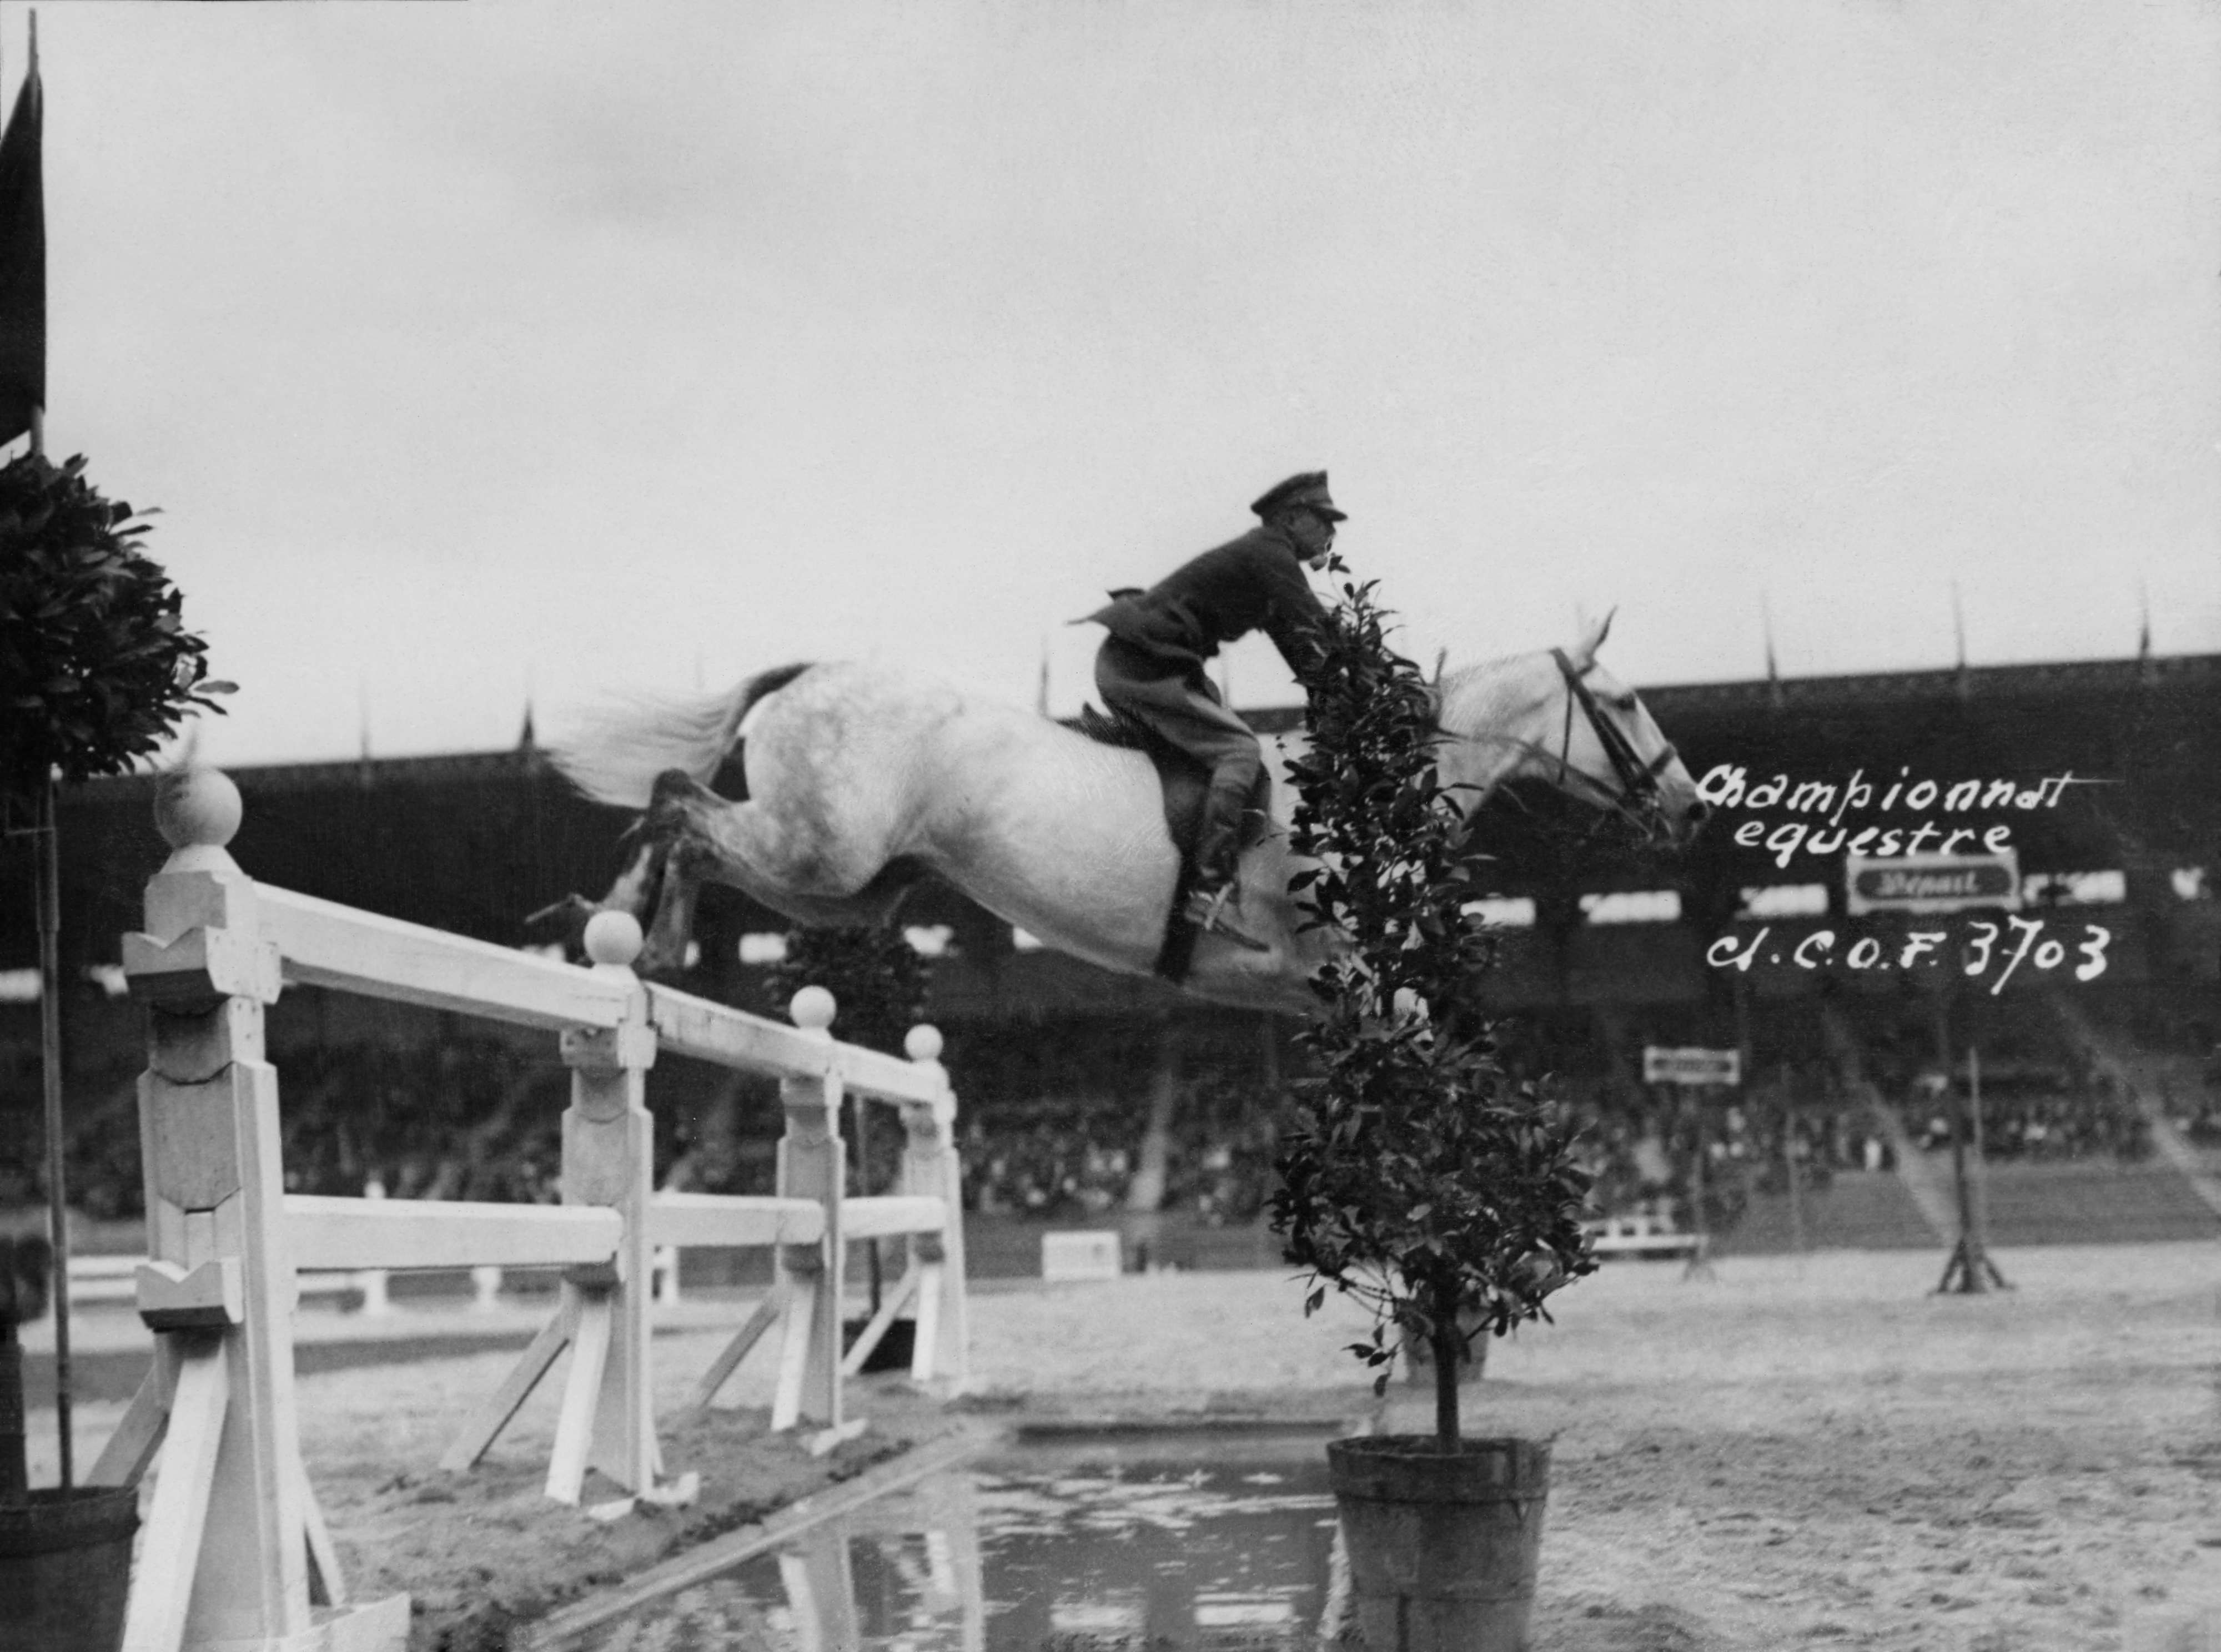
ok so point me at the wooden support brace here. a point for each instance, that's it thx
(932, 1277)
(123, 1460)
(767, 1314)
(487, 1422)
(890, 1305)
(170, 1547)
(327, 1586)
(797, 1325)
(582, 1387)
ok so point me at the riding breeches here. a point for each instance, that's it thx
(1184, 709)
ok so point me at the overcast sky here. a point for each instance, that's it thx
(479, 349)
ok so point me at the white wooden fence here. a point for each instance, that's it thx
(235, 1551)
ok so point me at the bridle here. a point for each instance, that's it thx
(1638, 781)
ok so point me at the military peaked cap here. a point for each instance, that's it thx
(1308, 490)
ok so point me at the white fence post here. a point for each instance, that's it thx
(225, 1557)
(812, 1164)
(932, 1169)
(486, 1288)
(667, 1275)
(370, 1281)
(607, 1420)
(609, 1159)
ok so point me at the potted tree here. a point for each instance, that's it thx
(1416, 1175)
(95, 668)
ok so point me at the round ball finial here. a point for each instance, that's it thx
(196, 808)
(811, 1009)
(923, 1043)
(613, 938)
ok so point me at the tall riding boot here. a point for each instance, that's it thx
(1218, 843)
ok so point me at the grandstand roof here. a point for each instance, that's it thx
(2157, 674)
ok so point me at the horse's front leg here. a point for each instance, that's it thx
(637, 891)
(640, 884)
(668, 937)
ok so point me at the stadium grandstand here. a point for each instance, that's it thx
(1093, 1100)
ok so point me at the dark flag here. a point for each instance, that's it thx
(23, 264)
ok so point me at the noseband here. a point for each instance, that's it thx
(1638, 781)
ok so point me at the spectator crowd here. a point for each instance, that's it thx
(1056, 1125)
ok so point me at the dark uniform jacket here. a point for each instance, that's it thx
(1255, 582)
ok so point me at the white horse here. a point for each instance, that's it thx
(852, 782)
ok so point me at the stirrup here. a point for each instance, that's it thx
(1211, 911)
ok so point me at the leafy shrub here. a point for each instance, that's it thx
(878, 981)
(95, 664)
(1417, 1176)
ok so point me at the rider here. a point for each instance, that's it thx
(1150, 667)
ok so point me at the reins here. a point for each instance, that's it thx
(1638, 781)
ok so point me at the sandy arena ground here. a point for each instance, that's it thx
(1808, 1452)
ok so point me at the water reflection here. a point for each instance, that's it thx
(1099, 1546)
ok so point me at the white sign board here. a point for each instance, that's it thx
(1931, 882)
(1079, 1256)
(1691, 1066)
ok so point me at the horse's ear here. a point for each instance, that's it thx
(1584, 655)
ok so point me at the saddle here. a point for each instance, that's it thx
(1183, 784)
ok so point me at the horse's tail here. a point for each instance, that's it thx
(616, 755)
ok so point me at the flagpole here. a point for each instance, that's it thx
(49, 895)
(38, 413)
(50, 1033)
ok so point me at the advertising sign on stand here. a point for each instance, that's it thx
(1931, 882)
(1691, 1066)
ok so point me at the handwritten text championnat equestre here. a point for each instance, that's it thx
(1727, 786)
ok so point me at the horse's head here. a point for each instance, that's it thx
(1561, 717)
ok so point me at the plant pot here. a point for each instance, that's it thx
(1443, 1546)
(65, 1569)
